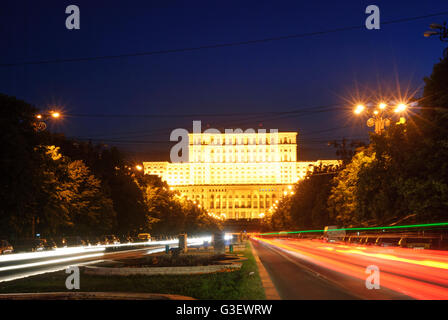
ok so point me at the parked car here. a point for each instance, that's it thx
(144, 237)
(28, 245)
(5, 247)
(417, 242)
(370, 240)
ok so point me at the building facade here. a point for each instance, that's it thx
(237, 175)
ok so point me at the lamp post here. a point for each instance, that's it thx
(438, 30)
(40, 125)
(380, 116)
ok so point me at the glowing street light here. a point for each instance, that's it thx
(359, 108)
(382, 106)
(47, 115)
(380, 117)
(139, 167)
(400, 108)
(55, 114)
(40, 124)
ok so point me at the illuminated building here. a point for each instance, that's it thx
(236, 175)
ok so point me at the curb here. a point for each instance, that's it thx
(155, 271)
(269, 288)
(92, 296)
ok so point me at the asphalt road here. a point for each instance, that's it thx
(313, 270)
(32, 265)
(294, 282)
(20, 265)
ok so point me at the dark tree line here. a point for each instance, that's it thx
(401, 176)
(306, 208)
(57, 186)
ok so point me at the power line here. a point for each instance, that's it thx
(219, 45)
(144, 133)
(125, 141)
(254, 117)
(157, 132)
(323, 108)
(311, 141)
(167, 130)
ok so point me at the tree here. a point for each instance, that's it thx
(92, 211)
(281, 219)
(307, 206)
(435, 99)
(19, 165)
(196, 220)
(343, 201)
(170, 213)
(71, 200)
(345, 150)
(408, 177)
(118, 182)
(129, 204)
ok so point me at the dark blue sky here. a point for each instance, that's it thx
(321, 70)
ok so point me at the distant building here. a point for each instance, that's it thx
(237, 175)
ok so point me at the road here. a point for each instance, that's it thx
(312, 269)
(21, 265)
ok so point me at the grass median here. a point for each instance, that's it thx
(244, 283)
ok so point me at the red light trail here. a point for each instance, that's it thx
(420, 274)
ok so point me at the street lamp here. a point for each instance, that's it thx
(55, 114)
(40, 124)
(400, 108)
(438, 30)
(442, 31)
(359, 108)
(380, 116)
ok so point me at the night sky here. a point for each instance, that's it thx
(116, 101)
